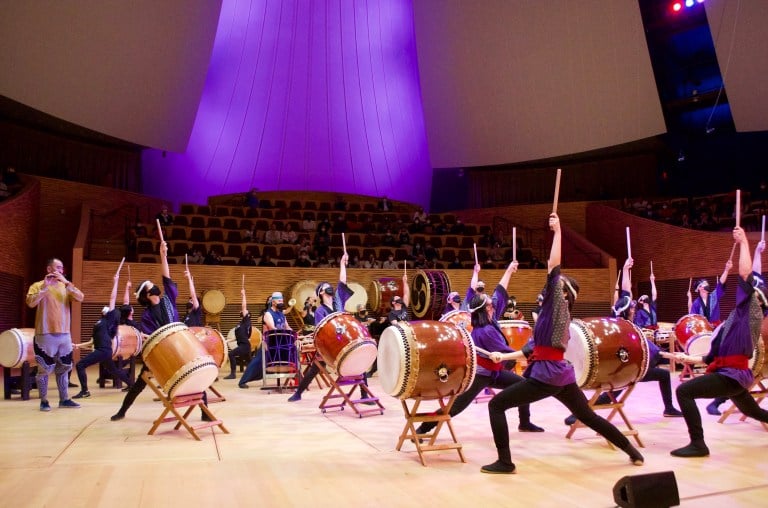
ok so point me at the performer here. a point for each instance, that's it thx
(330, 301)
(454, 299)
(728, 373)
(399, 310)
(52, 297)
(548, 374)
(273, 319)
(159, 310)
(453, 302)
(103, 332)
(487, 335)
(708, 305)
(242, 335)
(535, 313)
(645, 313)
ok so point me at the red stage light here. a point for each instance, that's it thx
(677, 6)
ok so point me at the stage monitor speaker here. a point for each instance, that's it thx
(654, 490)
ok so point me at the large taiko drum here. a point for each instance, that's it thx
(178, 360)
(461, 318)
(360, 297)
(213, 342)
(517, 332)
(345, 344)
(381, 293)
(700, 345)
(608, 353)
(254, 339)
(426, 359)
(17, 347)
(127, 343)
(429, 291)
(302, 290)
(689, 326)
(214, 301)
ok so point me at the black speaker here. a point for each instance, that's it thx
(654, 490)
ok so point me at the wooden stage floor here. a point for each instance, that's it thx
(291, 454)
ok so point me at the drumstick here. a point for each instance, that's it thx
(121, 265)
(481, 350)
(651, 266)
(514, 243)
(557, 190)
(160, 231)
(129, 272)
(762, 231)
(343, 243)
(690, 281)
(733, 249)
(738, 208)
(242, 286)
(475, 247)
(186, 263)
(629, 245)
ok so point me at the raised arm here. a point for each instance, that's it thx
(512, 268)
(192, 292)
(757, 260)
(626, 279)
(113, 294)
(745, 257)
(406, 292)
(728, 266)
(555, 253)
(654, 294)
(164, 260)
(343, 268)
(475, 277)
(243, 303)
(127, 294)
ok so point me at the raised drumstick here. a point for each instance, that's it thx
(651, 266)
(629, 245)
(121, 265)
(514, 243)
(762, 231)
(475, 247)
(738, 208)
(129, 272)
(557, 190)
(160, 231)
(343, 243)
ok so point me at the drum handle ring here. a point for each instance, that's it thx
(442, 372)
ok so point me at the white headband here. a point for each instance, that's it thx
(482, 304)
(141, 287)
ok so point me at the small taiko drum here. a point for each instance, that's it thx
(178, 360)
(213, 342)
(127, 343)
(689, 326)
(214, 301)
(360, 297)
(302, 290)
(426, 359)
(254, 339)
(17, 347)
(608, 353)
(345, 344)
(461, 318)
(428, 293)
(517, 332)
(381, 293)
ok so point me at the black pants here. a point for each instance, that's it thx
(654, 374)
(501, 379)
(530, 390)
(714, 385)
(137, 388)
(241, 351)
(103, 356)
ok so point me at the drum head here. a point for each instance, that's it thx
(391, 362)
(699, 345)
(580, 351)
(428, 294)
(303, 290)
(16, 347)
(213, 301)
(359, 298)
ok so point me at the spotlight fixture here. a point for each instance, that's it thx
(710, 130)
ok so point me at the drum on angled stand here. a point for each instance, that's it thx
(460, 318)
(127, 343)
(213, 342)
(517, 332)
(689, 326)
(360, 297)
(17, 347)
(426, 359)
(381, 293)
(213, 304)
(429, 290)
(607, 353)
(345, 344)
(178, 360)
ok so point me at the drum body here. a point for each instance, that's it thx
(213, 301)
(178, 360)
(702, 343)
(429, 291)
(689, 326)
(360, 297)
(127, 343)
(345, 344)
(426, 359)
(608, 353)
(699, 345)
(213, 342)
(302, 290)
(461, 318)
(17, 347)
(381, 293)
(517, 332)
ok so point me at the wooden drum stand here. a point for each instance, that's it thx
(616, 407)
(337, 392)
(441, 417)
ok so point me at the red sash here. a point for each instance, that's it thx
(547, 353)
(732, 362)
(489, 364)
